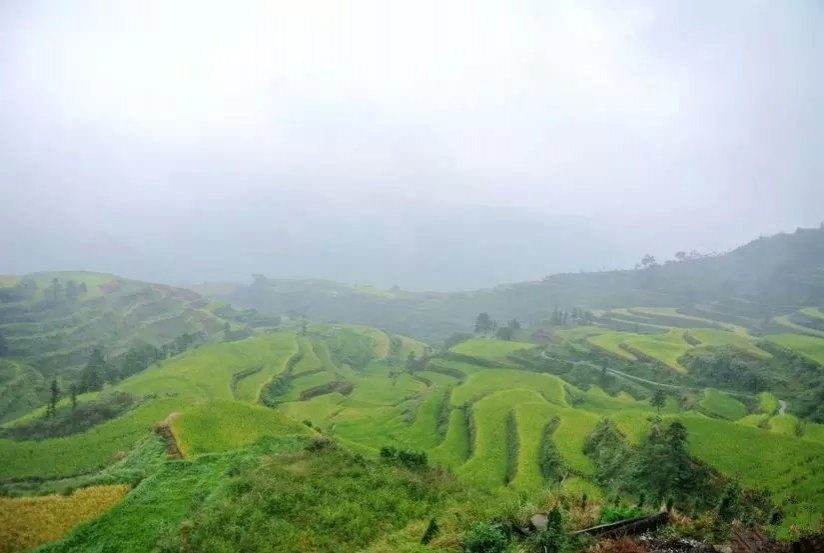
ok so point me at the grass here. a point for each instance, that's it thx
(610, 342)
(807, 346)
(666, 348)
(486, 468)
(789, 467)
(218, 426)
(27, 522)
(280, 347)
(719, 404)
(454, 450)
(767, 403)
(712, 337)
(489, 349)
(152, 511)
(491, 380)
(317, 501)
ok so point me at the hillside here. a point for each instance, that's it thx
(769, 277)
(507, 418)
(51, 322)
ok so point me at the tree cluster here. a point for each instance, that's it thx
(485, 325)
(576, 316)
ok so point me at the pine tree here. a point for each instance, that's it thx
(51, 410)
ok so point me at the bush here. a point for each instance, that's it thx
(485, 537)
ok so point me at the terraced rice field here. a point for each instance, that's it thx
(174, 386)
(784, 320)
(27, 522)
(808, 346)
(218, 426)
(492, 350)
(721, 405)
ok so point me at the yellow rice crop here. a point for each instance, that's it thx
(26, 522)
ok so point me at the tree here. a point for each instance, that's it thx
(73, 391)
(55, 289)
(91, 379)
(648, 261)
(71, 290)
(483, 324)
(411, 361)
(658, 399)
(83, 289)
(4, 346)
(51, 409)
(514, 324)
(504, 333)
(681, 256)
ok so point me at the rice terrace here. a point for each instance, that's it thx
(569, 410)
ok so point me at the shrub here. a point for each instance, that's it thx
(430, 533)
(485, 537)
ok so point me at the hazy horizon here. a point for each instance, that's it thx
(432, 145)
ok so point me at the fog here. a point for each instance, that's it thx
(442, 145)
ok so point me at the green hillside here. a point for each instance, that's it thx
(51, 322)
(505, 418)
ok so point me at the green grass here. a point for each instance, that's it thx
(721, 405)
(280, 348)
(454, 449)
(489, 349)
(529, 416)
(491, 380)
(767, 403)
(808, 346)
(667, 348)
(610, 342)
(309, 360)
(760, 459)
(218, 426)
(712, 337)
(305, 382)
(153, 512)
(486, 468)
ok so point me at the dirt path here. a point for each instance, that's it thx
(164, 430)
(782, 406)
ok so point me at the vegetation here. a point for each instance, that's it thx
(30, 521)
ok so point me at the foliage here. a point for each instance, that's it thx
(71, 420)
(620, 512)
(486, 537)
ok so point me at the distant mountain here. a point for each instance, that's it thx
(768, 276)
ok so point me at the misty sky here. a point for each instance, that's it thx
(200, 140)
